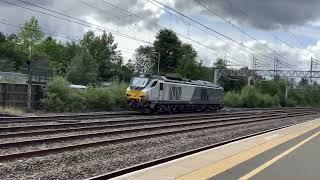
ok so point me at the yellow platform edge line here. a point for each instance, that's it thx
(275, 159)
(229, 162)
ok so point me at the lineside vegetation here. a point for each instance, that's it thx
(95, 59)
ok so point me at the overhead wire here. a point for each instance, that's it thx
(285, 30)
(213, 30)
(66, 37)
(82, 22)
(44, 32)
(88, 24)
(160, 26)
(237, 27)
(236, 45)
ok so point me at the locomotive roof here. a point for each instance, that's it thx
(193, 82)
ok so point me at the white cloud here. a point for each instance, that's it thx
(107, 16)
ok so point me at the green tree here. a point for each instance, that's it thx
(127, 71)
(228, 81)
(56, 53)
(188, 66)
(103, 50)
(116, 66)
(143, 57)
(168, 45)
(3, 38)
(83, 69)
(220, 64)
(11, 57)
(303, 82)
(30, 37)
(6, 65)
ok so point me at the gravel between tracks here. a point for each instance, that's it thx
(63, 121)
(80, 140)
(92, 161)
(108, 129)
(113, 119)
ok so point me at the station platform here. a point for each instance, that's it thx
(289, 153)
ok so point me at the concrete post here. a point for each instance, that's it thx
(249, 80)
(216, 76)
(29, 87)
(286, 95)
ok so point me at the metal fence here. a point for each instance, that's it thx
(12, 77)
(16, 95)
(20, 78)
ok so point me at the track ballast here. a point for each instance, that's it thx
(35, 144)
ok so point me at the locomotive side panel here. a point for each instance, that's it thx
(174, 92)
(215, 96)
(204, 95)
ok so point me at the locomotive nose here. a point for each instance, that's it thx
(135, 95)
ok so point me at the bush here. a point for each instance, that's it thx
(250, 97)
(291, 103)
(61, 98)
(232, 99)
(11, 110)
(83, 69)
(99, 99)
(118, 91)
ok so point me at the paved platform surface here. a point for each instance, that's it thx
(296, 159)
(290, 153)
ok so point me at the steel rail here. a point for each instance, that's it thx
(115, 120)
(126, 123)
(125, 139)
(179, 155)
(81, 116)
(132, 130)
(58, 118)
(27, 119)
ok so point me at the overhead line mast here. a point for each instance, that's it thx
(213, 30)
(238, 28)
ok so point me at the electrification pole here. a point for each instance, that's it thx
(275, 66)
(29, 81)
(311, 68)
(158, 63)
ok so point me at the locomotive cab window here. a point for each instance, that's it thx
(139, 82)
(154, 83)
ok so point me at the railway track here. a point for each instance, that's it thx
(155, 162)
(103, 115)
(158, 161)
(50, 130)
(60, 122)
(79, 116)
(131, 127)
(16, 131)
(44, 146)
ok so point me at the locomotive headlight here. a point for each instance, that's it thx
(128, 89)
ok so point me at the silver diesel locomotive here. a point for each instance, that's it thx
(164, 94)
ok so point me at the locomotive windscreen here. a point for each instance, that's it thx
(139, 82)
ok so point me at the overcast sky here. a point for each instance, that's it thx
(266, 21)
